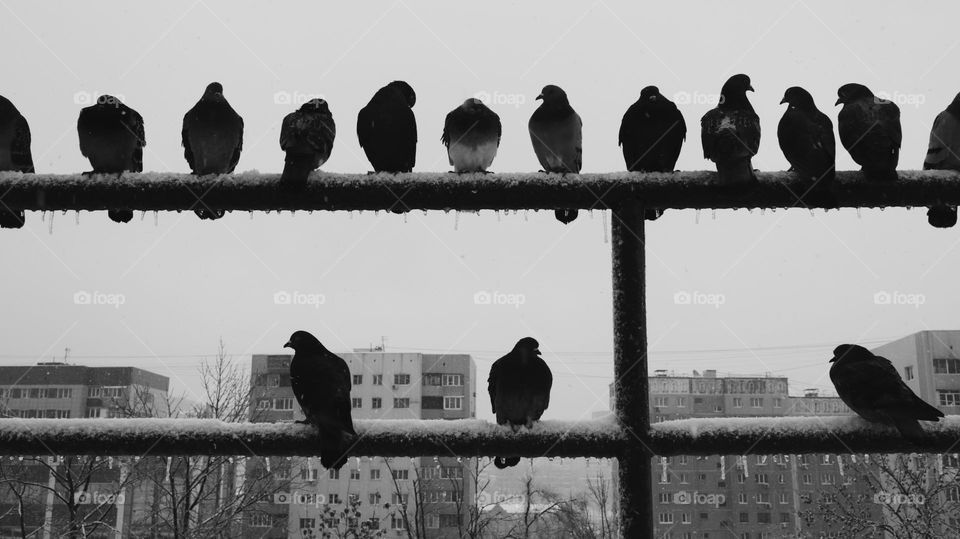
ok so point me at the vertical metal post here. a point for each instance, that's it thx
(630, 368)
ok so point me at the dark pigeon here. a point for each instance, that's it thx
(321, 383)
(871, 386)
(651, 133)
(806, 138)
(14, 154)
(112, 138)
(387, 128)
(557, 135)
(306, 136)
(212, 139)
(943, 153)
(730, 133)
(870, 130)
(519, 387)
(471, 133)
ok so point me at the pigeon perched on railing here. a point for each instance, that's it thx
(212, 139)
(871, 386)
(112, 137)
(321, 384)
(387, 128)
(14, 154)
(306, 135)
(943, 153)
(556, 131)
(471, 133)
(806, 138)
(519, 387)
(730, 133)
(651, 133)
(870, 131)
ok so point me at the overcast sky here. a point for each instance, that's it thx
(789, 284)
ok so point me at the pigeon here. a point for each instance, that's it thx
(471, 134)
(870, 130)
(112, 138)
(806, 138)
(306, 135)
(730, 133)
(944, 154)
(14, 154)
(387, 128)
(871, 386)
(321, 384)
(212, 139)
(519, 387)
(556, 133)
(651, 134)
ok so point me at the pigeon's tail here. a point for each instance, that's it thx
(880, 174)
(566, 216)
(737, 173)
(909, 428)
(333, 449)
(505, 462)
(206, 213)
(652, 214)
(942, 216)
(11, 219)
(120, 216)
(297, 168)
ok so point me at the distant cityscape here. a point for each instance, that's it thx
(443, 496)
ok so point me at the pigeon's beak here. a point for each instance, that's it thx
(539, 97)
(784, 100)
(536, 351)
(839, 101)
(833, 359)
(750, 89)
(288, 344)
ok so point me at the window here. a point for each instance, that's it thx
(807, 479)
(451, 472)
(762, 478)
(308, 523)
(718, 408)
(661, 401)
(375, 474)
(449, 521)
(95, 412)
(354, 475)
(283, 473)
(756, 402)
(401, 403)
(761, 460)
(828, 479)
(763, 497)
(741, 478)
(666, 518)
(777, 402)
(951, 461)
(273, 380)
(356, 402)
(946, 366)
(334, 474)
(399, 498)
(737, 402)
(453, 403)
(682, 459)
(949, 398)
(396, 522)
(433, 521)
(260, 520)
(681, 402)
(307, 474)
(825, 459)
(401, 379)
(56, 414)
(783, 498)
(742, 498)
(453, 380)
(666, 497)
(431, 402)
(374, 498)
(683, 477)
(953, 494)
(685, 518)
(784, 517)
(908, 372)
(432, 379)
(376, 403)
(763, 518)
(264, 404)
(334, 498)
(377, 380)
(744, 517)
(357, 379)
(401, 474)
(284, 403)
(16, 393)
(63, 393)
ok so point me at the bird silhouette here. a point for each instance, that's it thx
(14, 154)
(806, 139)
(870, 131)
(387, 128)
(556, 132)
(943, 153)
(730, 133)
(471, 133)
(306, 135)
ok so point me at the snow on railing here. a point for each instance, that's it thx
(467, 437)
(440, 191)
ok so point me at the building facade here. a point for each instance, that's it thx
(426, 494)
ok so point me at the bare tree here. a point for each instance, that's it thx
(414, 524)
(534, 520)
(475, 510)
(346, 523)
(900, 496)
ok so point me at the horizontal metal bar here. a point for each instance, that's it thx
(467, 437)
(441, 191)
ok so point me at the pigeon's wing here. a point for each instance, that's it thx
(136, 125)
(236, 152)
(499, 127)
(185, 139)
(492, 384)
(890, 121)
(825, 136)
(85, 118)
(408, 135)
(445, 137)
(365, 125)
(288, 131)
(578, 144)
(709, 129)
(628, 124)
(943, 151)
(20, 146)
(342, 383)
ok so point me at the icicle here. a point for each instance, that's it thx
(811, 213)
(43, 216)
(526, 215)
(696, 218)
(713, 214)
(266, 461)
(749, 210)
(456, 220)
(405, 221)
(156, 218)
(77, 216)
(110, 462)
(858, 213)
(762, 211)
(51, 223)
(498, 215)
(143, 214)
(251, 216)
(606, 239)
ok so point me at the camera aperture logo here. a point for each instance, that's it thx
(296, 97)
(499, 98)
(495, 297)
(84, 297)
(684, 497)
(299, 498)
(884, 297)
(695, 297)
(284, 297)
